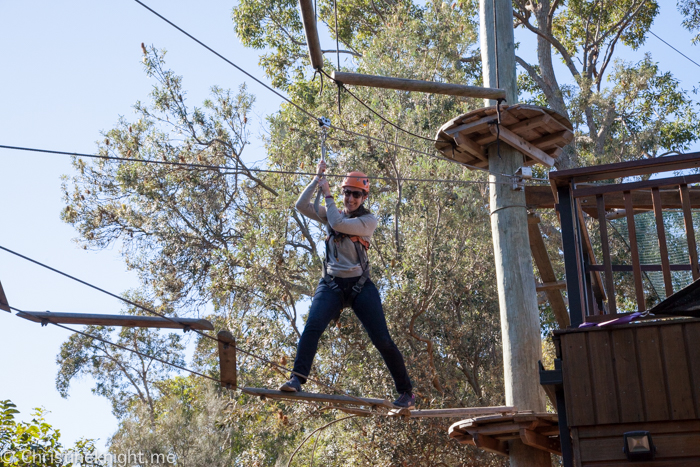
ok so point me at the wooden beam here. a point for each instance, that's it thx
(689, 230)
(521, 145)
(4, 304)
(116, 320)
(546, 270)
(351, 410)
(457, 412)
(558, 285)
(431, 87)
(536, 440)
(314, 397)
(470, 146)
(490, 444)
(626, 169)
(308, 17)
(227, 359)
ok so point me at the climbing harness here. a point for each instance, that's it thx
(361, 247)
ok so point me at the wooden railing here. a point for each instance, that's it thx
(590, 285)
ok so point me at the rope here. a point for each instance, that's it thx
(184, 327)
(380, 116)
(224, 167)
(314, 432)
(137, 352)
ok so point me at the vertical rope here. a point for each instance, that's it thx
(337, 47)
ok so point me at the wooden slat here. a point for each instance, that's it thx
(544, 266)
(626, 169)
(689, 230)
(692, 337)
(431, 87)
(678, 379)
(308, 17)
(637, 271)
(314, 397)
(4, 304)
(536, 440)
(647, 184)
(559, 139)
(117, 320)
(490, 444)
(531, 123)
(557, 285)
(474, 126)
(607, 262)
(351, 410)
(661, 233)
(626, 376)
(460, 412)
(470, 146)
(577, 384)
(667, 427)
(540, 197)
(588, 248)
(227, 359)
(521, 145)
(603, 378)
(651, 372)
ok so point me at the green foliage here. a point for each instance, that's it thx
(37, 444)
(690, 9)
(121, 376)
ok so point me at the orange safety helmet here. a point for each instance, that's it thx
(356, 180)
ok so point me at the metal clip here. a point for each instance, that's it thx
(519, 177)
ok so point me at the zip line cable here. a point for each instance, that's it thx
(280, 95)
(378, 115)
(684, 55)
(224, 167)
(183, 326)
(306, 112)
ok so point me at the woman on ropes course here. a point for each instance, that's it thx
(346, 281)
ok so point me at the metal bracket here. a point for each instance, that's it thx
(324, 122)
(519, 177)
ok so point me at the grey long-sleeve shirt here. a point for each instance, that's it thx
(342, 255)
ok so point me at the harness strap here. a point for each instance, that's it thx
(361, 247)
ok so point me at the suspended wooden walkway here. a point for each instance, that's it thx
(377, 406)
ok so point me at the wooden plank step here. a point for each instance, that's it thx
(459, 412)
(315, 397)
(116, 320)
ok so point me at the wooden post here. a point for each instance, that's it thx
(227, 359)
(308, 17)
(431, 87)
(517, 298)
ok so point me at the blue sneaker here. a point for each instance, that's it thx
(293, 385)
(406, 400)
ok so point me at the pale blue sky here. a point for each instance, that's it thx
(69, 69)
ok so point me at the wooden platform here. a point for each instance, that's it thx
(539, 430)
(314, 397)
(116, 320)
(539, 133)
(346, 403)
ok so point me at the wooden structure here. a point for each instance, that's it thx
(227, 359)
(633, 377)
(590, 285)
(308, 17)
(431, 87)
(116, 320)
(4, 304)
(492, 433)
(613, 379)
(537, 132)
(351, 404)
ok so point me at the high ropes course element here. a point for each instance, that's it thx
(227, 351)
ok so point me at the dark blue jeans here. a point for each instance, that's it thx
(327, 304)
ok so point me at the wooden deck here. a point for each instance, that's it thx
(492, 433)
(539, 133)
